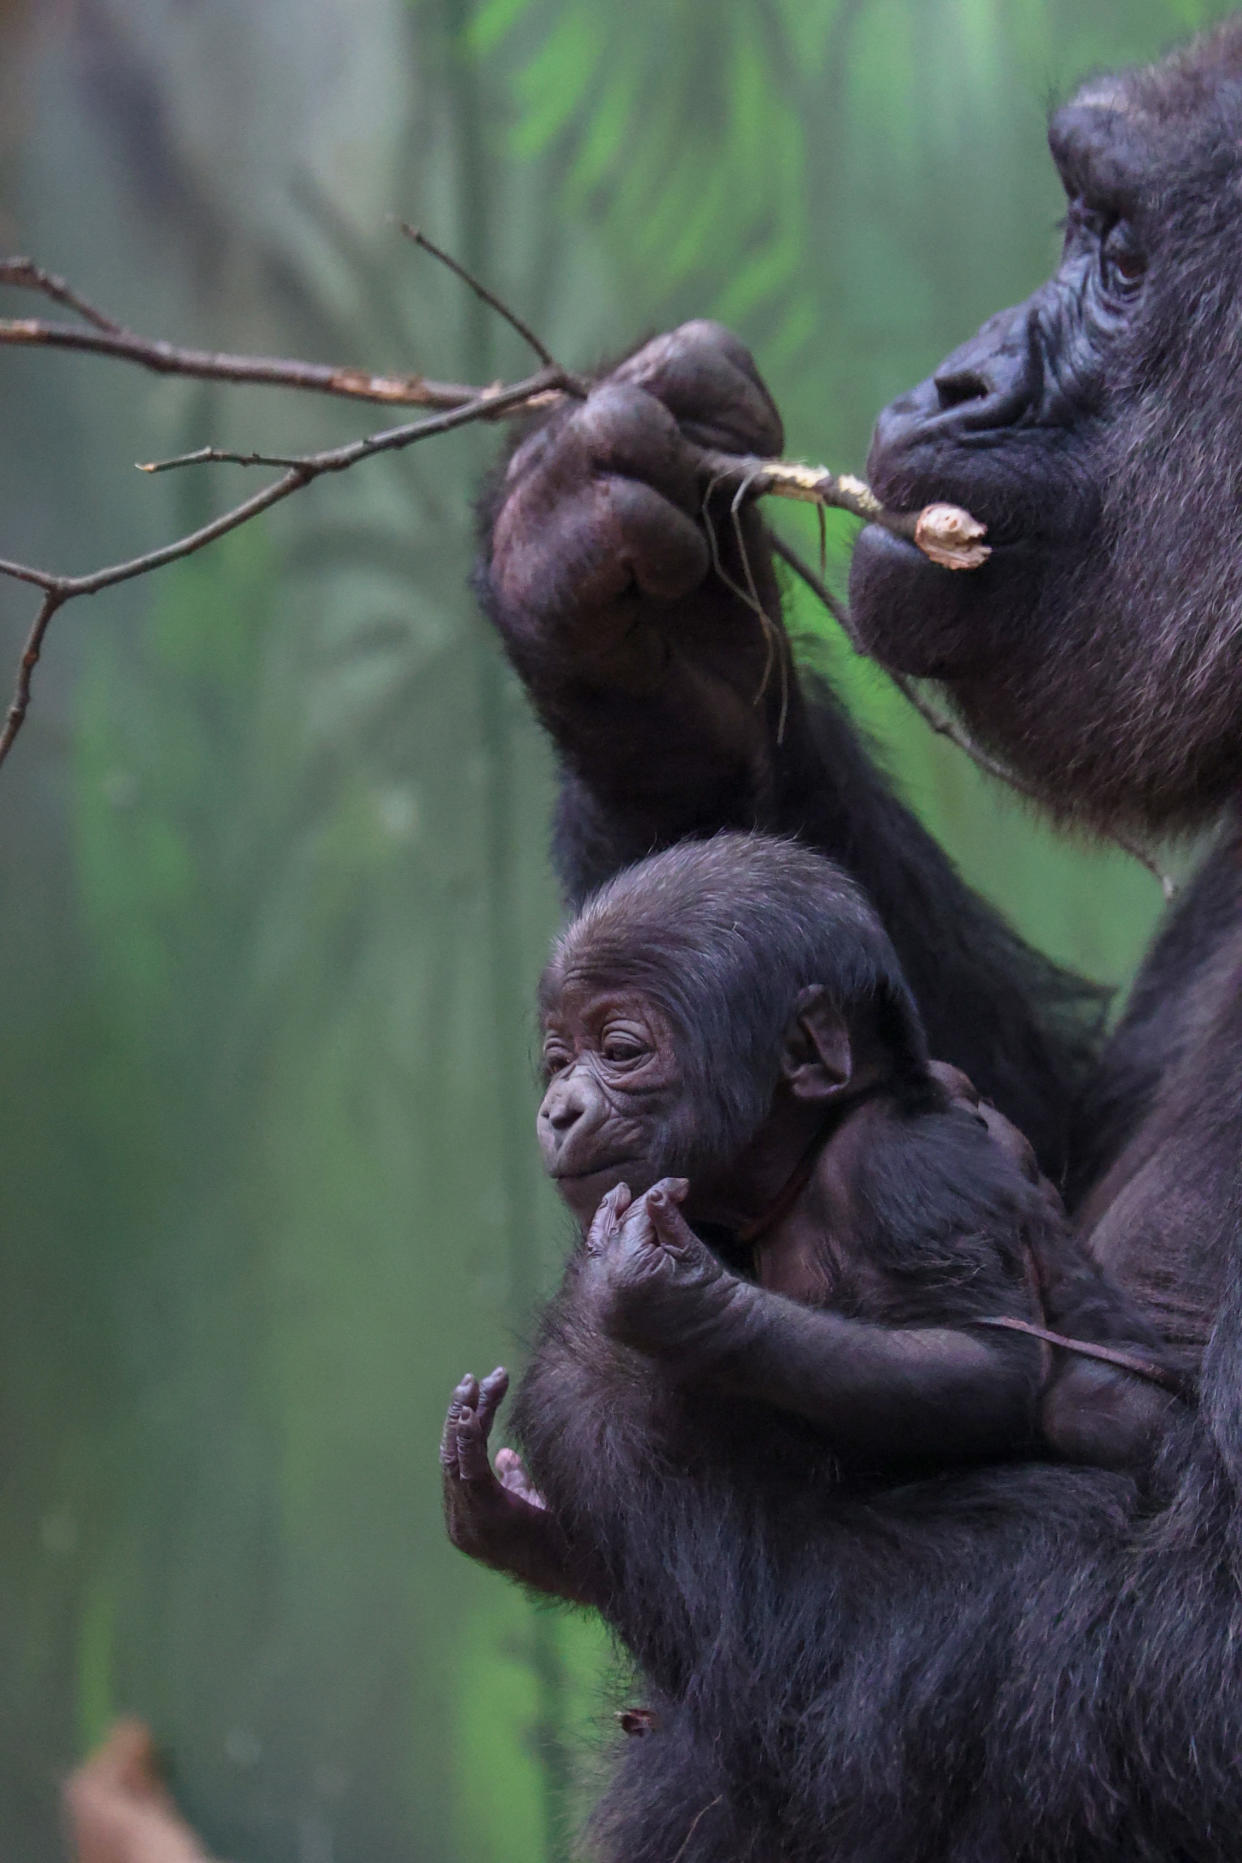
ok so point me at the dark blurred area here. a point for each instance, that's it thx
(272, 845)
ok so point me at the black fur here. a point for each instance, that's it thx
(1022, 1664)
(862, 1670)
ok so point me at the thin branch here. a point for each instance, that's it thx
(949, 728)
(489, 298)
(27, 276)
(216, 456)
(108, 338)
(219, 366)
(16, 715)
(818, 587)
(301, 471)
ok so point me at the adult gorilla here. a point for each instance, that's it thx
(1095, 1709)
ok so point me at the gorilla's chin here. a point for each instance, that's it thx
(918, 618)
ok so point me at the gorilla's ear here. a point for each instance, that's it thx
(816, 1058)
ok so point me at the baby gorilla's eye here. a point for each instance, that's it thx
(554, 1059)
(623, 1047)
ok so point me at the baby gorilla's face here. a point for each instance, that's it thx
(615, 1103)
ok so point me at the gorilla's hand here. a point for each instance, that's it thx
(496, 1515)
(601, 569)
(652, 1284)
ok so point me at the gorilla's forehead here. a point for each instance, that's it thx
(1130, 115)
(1102, 143)
(1202, 80)
(1159, 124)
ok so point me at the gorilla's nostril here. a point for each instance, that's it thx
(958, 386)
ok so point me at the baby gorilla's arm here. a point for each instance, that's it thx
(875, 1391)
(1090, 1411)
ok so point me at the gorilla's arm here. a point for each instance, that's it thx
(664, 696)
(925, 1390)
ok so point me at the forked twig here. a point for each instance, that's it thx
(300, 471)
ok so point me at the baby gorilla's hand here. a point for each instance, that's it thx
(495, 1515)
(653, 1284)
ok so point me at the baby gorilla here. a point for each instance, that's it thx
(785, 1201)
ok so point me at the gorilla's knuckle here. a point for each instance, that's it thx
(704, 335)
(618, 418)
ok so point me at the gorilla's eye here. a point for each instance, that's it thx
(555, 1057)
(1122, 261)
(622, 1046)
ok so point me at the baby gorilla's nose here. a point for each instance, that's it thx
(563, 1105)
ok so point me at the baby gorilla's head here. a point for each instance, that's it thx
(706, 1013)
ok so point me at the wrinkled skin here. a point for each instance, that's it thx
(614, 1103)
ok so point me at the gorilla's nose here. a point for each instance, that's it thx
(563, 1105)
(984, 387)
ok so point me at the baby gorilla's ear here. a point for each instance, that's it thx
(816, 1059)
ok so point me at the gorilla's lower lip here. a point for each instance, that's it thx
(594, 1170)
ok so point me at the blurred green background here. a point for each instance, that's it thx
(272, 847)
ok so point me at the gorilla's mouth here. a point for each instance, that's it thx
(591, 1170)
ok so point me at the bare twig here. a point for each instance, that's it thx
(818, 587)
(300, 471)
(949, 728)
(27, 276)
(489, 298)
(108, 338)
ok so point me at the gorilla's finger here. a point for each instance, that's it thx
(592, 545)
(492, 1393)
(672, 1230)
(607, 1218)
(465, 1392)
(623, 429)
(1011, 1140)
(472, 1459)
(957, 1085)
(707, 378)
(448, 1441)
(665, 552)
(511, 1472)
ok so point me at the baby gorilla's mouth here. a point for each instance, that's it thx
(591, 1170)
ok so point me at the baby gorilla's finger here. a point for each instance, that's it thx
(465, 1392)
(511, 1473)
(607, 1218)
(491, 1396)
(472, 1462)
(707, 378)
(672, 1231)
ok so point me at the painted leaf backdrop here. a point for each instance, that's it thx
(273, 868)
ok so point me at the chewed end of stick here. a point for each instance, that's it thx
(946, 534)
(950, 536)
